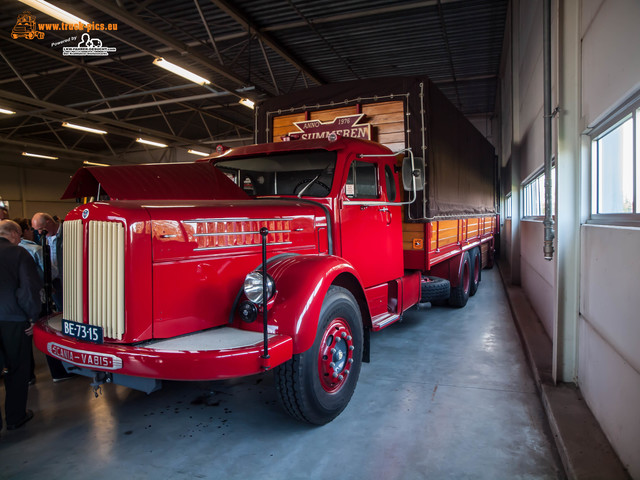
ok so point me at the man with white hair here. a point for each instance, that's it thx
(20, 287)
(43, 222)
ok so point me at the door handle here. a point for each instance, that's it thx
(387, 213)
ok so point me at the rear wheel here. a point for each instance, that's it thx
(475, 260)
(460, 293)
(491, 255)
(316, 385)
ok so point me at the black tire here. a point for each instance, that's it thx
(434, 289)
(491, 255)
(475, 261)
(306, 384)
(460, 294)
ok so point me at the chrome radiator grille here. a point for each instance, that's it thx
(72, 270)
(106, 277)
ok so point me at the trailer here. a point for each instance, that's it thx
(456, 210)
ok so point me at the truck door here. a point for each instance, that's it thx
(371, 230)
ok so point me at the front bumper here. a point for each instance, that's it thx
(213, 354)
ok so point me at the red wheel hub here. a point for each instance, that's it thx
(336, 355)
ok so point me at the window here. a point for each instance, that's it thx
(362, 181)
(507, 205)
(308, 174)
(391, 184)
(533, 198)
(614, 166)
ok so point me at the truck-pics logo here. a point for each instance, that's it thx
(25, 27)
(88, 47)
(346, 126)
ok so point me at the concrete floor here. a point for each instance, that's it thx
(448, 395)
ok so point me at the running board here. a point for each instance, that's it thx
(383, 320)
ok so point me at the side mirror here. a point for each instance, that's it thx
(410, 172)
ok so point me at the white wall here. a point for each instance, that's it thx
(609, 319)
(538, 274)
(610, 54)
(609, 356)
(33, 190)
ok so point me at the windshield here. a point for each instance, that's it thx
(305, 174)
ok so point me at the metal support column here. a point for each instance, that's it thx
(565, 335)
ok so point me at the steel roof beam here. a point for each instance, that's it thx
(206, 27)
(180, 47)
(24, 143)
(158, 102)
(449, 54)
(101, 72)
(251, 27)
(127, 129)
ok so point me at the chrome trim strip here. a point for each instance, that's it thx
(239, 246)
(208, 220)
(218, 234)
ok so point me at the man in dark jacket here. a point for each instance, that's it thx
(20, 287)
(45, 224)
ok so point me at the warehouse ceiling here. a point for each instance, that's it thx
(252, 49)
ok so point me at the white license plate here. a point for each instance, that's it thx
(82, 331)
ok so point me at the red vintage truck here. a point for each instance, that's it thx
(279, 256)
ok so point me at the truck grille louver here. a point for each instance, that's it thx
(105, 276)
(72, 270)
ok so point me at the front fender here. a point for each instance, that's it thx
(301, 283)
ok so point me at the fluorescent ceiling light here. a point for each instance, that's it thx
(196, 152)
(36, 155)
(247, 103)
(54, 11)
(149, 142)
(6, 111)
(95, 164)
(172, 67)
(83, 128)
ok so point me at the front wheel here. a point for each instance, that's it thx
(316, 385)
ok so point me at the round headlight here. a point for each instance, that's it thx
(253, 287)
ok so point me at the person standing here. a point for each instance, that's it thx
(44, 224)
(35, 250)
(27, 242)
(20, 287)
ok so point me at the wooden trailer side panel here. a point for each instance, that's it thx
(428, 244)
(387, 121)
